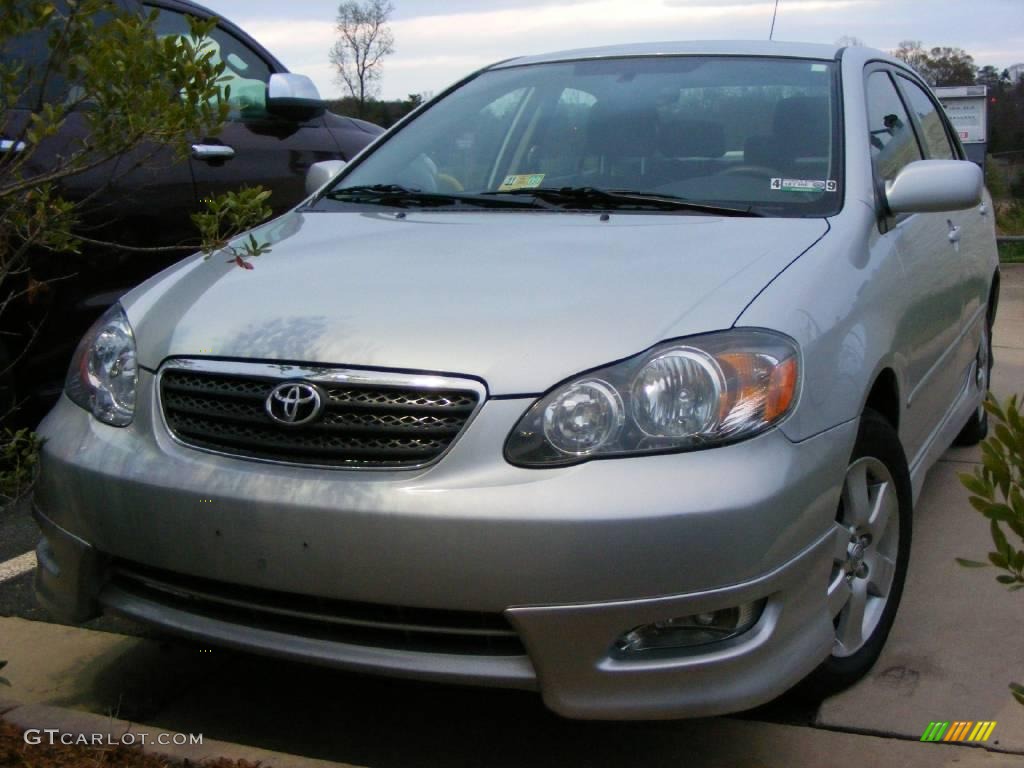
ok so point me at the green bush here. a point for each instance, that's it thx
(997, 492)
(19, 460)
(1011, 253)
(1010, 217)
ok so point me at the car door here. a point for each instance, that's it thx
(255, 146)
(974, 232)
(931, 291)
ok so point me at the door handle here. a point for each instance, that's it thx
(212, 152)
(6, 145)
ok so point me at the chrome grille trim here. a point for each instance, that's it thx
(407, 414)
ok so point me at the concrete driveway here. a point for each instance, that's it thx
(956, 644)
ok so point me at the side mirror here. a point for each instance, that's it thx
(293, 96)
(926, 186)
(321, 173)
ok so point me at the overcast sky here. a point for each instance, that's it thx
(439, 41)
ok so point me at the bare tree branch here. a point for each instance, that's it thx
(364, 40)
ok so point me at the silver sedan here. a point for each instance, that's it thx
(612, 374)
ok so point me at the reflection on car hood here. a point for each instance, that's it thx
(519, 299)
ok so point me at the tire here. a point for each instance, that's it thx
(976, 428)
(868, 575)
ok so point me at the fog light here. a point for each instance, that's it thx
(690, 631)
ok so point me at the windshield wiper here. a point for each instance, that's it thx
(398, 196)
(594, 198)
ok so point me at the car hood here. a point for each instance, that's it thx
(521, 300)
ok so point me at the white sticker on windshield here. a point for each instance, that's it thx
(804, 185)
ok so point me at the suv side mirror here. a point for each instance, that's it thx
(321, 173)
(926, 186)
(293, 96)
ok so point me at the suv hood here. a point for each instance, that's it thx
(521, 300)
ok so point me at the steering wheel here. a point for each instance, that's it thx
(448, 183)
(749, 170)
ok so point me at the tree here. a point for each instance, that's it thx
(990, 76)
(364, 40)
(850, 41)
(940, 65)
(105, 67)
(951, 66)
(911, 52)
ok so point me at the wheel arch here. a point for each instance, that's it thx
(884, 397)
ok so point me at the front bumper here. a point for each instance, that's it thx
(571, 557)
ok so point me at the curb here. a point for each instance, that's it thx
(85, 725)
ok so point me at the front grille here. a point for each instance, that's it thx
(363, 424)
(342, 621)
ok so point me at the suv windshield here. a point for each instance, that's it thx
(748, 135)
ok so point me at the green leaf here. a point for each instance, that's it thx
(1017, 560)
(979, 503)
(997, 559)
(1004, 579)
(994, 511)
(975, 484)
(999, 539)
(971, 563)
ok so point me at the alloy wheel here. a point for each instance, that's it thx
(866, 545)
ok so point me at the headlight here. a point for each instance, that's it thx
(697, 393)
(104, 373)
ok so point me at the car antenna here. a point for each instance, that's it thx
(775, 13)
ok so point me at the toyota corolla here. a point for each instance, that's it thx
(612, 374)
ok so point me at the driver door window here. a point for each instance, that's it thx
(933, 128)
(893, 144)
(246, 73)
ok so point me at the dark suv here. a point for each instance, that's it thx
(277, 129)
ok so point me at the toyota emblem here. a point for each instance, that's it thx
(294, 403)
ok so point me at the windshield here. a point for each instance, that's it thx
(744, 133)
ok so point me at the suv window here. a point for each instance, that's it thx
(893, 144)
(30, 53)
(245, 72)
(936, 140)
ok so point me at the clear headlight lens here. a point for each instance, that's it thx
(704, 391)
(583, 417)
(677, 394)
(104, 373)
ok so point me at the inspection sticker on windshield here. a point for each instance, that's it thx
(804, 185)
(521, 181)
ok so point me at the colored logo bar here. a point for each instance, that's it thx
(959, 730)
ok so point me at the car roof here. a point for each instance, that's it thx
(704, 47)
